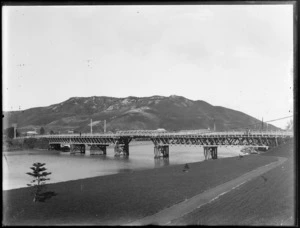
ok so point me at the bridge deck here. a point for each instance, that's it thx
(170, 134)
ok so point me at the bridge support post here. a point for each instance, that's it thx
(122, 147)
(206, 154)
(166, 151)
(126, 149)
(72, 149)
(156, 152)
(104, 149)
(215, 153)
(117, 149)
(50, 147)
(82, 149)
(210, 152)
(161, 151)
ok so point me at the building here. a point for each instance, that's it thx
(161, 129)
(31, 133)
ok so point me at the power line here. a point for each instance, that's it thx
(264, 122)
(278, 119)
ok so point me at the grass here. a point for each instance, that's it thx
(125, 197)
(265, 200)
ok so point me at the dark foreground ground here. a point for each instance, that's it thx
(125, 197)
(265, 200)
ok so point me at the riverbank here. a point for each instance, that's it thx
(10, 145)
(125, 197)
(266, 200)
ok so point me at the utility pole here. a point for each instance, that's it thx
(91, 126)
(15, 130)
(214, 125)
(262, 124)
(104, 126)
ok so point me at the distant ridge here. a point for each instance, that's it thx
(172, 113)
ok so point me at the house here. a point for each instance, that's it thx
(31, 133)
(161, 129)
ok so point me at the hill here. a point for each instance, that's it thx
(172, 113)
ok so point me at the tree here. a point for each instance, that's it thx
(39, 181)
(10, 132)
(52, 132)
(42, 131)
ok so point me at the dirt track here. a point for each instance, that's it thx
(167, 215)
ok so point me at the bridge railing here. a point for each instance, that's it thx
(167, 134)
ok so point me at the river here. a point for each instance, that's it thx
(65, 166)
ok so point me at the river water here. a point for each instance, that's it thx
(65, 166)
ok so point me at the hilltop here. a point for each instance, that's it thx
(172, 113)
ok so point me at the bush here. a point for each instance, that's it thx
(30, 143)
(42, 143)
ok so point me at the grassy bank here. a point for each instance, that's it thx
(125, 197)
(266, 200)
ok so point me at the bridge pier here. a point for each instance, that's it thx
(54, 147)
(276, 141)
(122, 147)
(77, 148)
(95, 149)
(161, 151)
(210, 152)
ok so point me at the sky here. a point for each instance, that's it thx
(235, 56)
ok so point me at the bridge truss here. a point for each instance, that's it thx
(162, 140)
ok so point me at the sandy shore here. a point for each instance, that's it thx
(123, 198)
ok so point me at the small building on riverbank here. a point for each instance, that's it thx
(31, 133)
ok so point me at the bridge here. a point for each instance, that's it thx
(97, 143)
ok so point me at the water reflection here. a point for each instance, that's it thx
(161, 162)
(127, 170)
(122, 158)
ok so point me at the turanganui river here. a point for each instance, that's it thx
(65, 166)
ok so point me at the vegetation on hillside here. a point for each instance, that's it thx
(132, 113)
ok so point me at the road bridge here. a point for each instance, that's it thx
(210, 141)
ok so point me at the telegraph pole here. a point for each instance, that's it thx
(91, 126)
(104, 126)
(214, 125)
(15, 130)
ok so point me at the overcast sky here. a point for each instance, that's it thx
(235, 56)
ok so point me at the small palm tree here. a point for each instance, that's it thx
(39, 181)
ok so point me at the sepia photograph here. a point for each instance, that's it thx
(149, 114)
